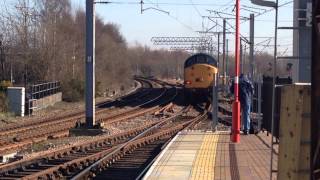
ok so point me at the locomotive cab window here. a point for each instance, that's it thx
(200, 58)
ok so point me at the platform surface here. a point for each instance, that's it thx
(208, 155)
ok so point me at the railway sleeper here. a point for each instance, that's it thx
(65, 171)
(66, 153)
(37, 164)
(68, 170)
(85, 163)
(59, 156)
(104, 165)
(48, 176)
(59, 174)
(92, 174)
(74, 167)
(53, 157)
(22, 168)
(82, 149)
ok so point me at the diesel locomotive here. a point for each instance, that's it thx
(200, 74)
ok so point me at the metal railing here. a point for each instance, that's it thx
(41, 90)
(267, 103)
(38, 91)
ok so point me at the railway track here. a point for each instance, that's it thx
(16, 128)
(137, 154)
(67, 162)
(54, 128)
(108, 155)
(132, 163)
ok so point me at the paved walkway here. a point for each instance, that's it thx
(207, 155)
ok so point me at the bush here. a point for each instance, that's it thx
(3, 98)
(4, 85)
(99, 92)
(3, 102)
(73, 90)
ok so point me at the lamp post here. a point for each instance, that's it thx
(275, 6)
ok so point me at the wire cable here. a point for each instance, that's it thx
(195, 7)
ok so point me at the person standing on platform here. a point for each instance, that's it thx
(246, 90)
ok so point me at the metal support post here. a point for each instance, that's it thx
(259, 101)
(224, 54)
(90, 64)
(218, 49)
(302, 18)
(274, 84)
(227, 56)
(241, 57)
(315, 89)
(251, 71)
(236, 104)
(244, 57)
(274, 5)
(215, 104)
(226, 70)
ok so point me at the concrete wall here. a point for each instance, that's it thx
(46, 101)
(6, 158)
(16, 97)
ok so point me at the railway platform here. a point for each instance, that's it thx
(211, 155)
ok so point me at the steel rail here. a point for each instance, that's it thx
(25, 134)
(129, 147)
(27, 163)
(53, 169)
(20, 127)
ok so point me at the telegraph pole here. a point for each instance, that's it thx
(90, 64)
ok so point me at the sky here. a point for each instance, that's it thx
(185, 18)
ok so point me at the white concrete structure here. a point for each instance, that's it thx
(16, 97)
(6, 158)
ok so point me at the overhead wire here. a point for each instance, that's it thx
(195, 7)
(222, 7)
(251, 7)
(263, 48)
(175, 18)
(249, 10)
(264, 12)
(160, 3)
(228, 4)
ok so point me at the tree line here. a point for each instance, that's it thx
(45, 41)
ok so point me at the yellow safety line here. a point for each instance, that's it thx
(203, 167)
